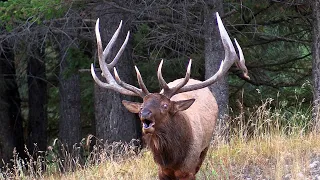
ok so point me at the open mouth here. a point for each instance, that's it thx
(147, 124)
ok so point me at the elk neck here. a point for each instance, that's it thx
(171, 140)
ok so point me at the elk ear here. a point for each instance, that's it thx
(133, 107)
(182, 105)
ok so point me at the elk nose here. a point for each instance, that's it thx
(145, 114)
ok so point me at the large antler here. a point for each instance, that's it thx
(115, 84)
(230, 58)
(167, 91)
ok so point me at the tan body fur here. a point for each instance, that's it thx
(202, 115)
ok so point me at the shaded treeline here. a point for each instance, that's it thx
(46, 50)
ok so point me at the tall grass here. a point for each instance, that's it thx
(270, 118)
(266, 142)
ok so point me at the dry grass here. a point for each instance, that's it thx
(275, 157)
(264, 144)
(263, 158)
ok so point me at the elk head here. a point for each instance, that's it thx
(157, 108)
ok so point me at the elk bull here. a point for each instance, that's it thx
(178, 122)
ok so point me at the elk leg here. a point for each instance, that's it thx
(201, 158)
(166, 174)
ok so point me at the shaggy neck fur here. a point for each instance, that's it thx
(170, 142)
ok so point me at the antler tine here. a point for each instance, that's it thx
(162, 82)
(127, 86)
(103, 65)
(140, 81)
(106, 51)
(141, 92)
(97, 80)
(103, 54)
(230, 55)
(172, 91)
(229, 59)
(112, 84)
(115, 60)
(241, 63)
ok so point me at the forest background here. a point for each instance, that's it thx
(47, 46)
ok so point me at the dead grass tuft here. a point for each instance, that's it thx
(266, 143)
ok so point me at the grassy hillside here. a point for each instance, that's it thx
(264, 144)
(274, 157)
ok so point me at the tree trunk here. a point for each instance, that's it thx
(7, 142)
(70, 122)
(113, 121)
(69, 89)
(11, 131)
(316, 65)
(214, 54)
(37, 89)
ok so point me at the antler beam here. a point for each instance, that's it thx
(115, 84)
(229, 59)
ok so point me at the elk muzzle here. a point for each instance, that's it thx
(145, 114)
(146, 119)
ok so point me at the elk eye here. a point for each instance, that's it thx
(165, 106)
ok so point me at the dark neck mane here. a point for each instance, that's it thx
(170, 142)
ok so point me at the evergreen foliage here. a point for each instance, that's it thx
(275, 37)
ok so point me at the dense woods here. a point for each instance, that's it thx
(47, 46)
